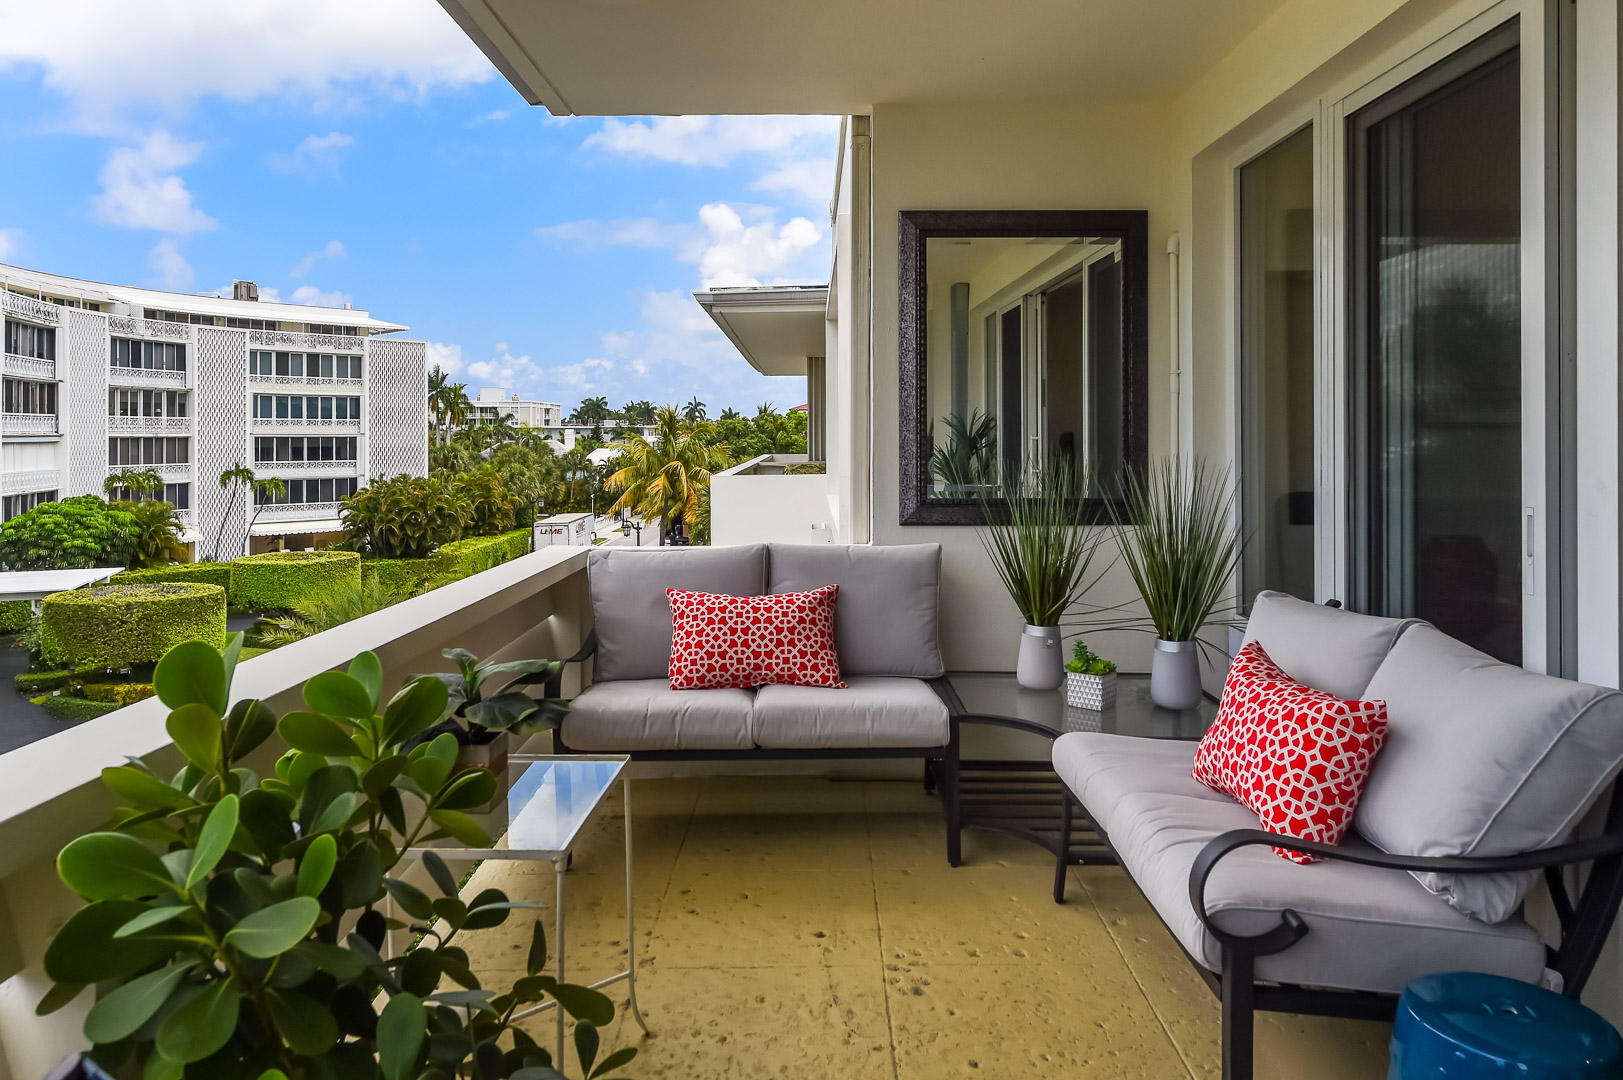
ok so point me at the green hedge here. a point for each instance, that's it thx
(129, 624)
(280, 579)
(14, 616)
(206, 573)
(32, 682)
(71, 708)
(458, 559)
(403, 576)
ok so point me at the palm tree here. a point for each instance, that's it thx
(137, 484)
(271, 488)
(765, 409)
(639, 413)
(448, 401)
(663, 476)
(693, 411)
(238, 477)
(593, 411)
(730, 413)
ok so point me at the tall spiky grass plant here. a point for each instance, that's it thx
(1176, 531)
(1042, 554)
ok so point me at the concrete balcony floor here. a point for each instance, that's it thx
(796, 927)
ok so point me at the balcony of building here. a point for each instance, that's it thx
(29, 425)
(149, 425)
(167, 378)
(774, 497)
(30, 367)
(307, 425)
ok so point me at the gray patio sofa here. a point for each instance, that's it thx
(1485, 777)
(886, 626)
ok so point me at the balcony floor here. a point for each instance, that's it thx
(794, 927)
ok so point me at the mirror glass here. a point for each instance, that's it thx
(1025, 361)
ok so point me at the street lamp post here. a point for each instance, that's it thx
(626, 525)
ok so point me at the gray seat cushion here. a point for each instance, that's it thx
(886, 621)
(646, 714)
(1483, 758)
(631, 612)
(869, 712)
(1327, 648)
(1368, 929)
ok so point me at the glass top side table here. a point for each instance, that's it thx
(548, 806)
(1021, 794)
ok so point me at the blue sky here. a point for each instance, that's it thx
(366, 152)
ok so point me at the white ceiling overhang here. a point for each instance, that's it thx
(776, 328)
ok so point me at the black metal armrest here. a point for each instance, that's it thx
(1291, 927)
(555, 685)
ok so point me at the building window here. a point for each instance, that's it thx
(148, 403)
(333, 331)
(27, 396)
(250, 324)
(12, 505)
(149, 450)
(178, 494)
(150, 355)
(311, 490)
(305, 407)
(26, 339)
(269, 449)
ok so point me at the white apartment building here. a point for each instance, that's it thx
(493, 403)
(101, 378)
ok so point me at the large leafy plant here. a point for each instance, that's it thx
(76, 533)
(487, 697)
(154, 534)
(233, 921)
(407, 517)
(1043, 555)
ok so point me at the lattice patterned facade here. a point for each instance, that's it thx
(396, 408)
(84, 420)
(220, 405)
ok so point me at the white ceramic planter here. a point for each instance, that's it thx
(1039, 666)
(1094, 692)
(1175, 675)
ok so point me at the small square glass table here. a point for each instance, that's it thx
(548, 806)
(999, 774)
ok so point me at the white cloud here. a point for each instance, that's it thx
(712, 140)
(505, 369)
(494, 116)
(10, 240)
(448, 357)
(111, 56)
(732, 244)
(333, 249)
(315, 153)
(172, 270)
(141, 189)
(304, 294)
(810, 179)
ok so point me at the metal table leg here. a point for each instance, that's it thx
(558, 939)
(631, 926)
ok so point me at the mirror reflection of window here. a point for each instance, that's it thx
(1025, 359)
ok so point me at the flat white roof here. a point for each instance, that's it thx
(38, 584)
(775, 327)
(102, 292)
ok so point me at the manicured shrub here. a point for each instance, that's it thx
(74, 709)
(464, 557)
(76, 533)
(14, 616)
(280, 579)
(402, 576)
(118, 694)
(206, 573)
(407, 517)
(129, 624)
(32, 682)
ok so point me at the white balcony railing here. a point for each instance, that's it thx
(128, 326)
(316, 511)
(51, 790)
(13, 483)
(307, 424)
(27, 307)
(304, 380)
(133, 376)
(30, 367)
(151, 424)
(286, 339)
(756, 502)
(15, 423)
(334, 468)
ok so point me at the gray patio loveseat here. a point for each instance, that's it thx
(1485, 777)
(886, 633)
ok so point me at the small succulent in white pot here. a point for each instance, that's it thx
(1090, 679)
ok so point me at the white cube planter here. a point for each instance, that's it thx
(1096, 692)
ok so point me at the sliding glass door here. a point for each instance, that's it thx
(1435, 349)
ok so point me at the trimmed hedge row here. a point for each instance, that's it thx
(129, 624)
(205, 573)
(280, 579)
(75, 709)
(15, 616)
(458, 559)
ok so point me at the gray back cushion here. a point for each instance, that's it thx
(1483, 758)
(1327, 648)
(631, 612)
(886, 620)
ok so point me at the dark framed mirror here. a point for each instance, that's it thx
(1024, 342)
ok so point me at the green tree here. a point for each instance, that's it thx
(135, 483)
(76, 533)
(154, 534)
(447, 401)
(693, 411)
(661, 477)
(730, 413)
(238, 478)
(267, 489)
(639, 413)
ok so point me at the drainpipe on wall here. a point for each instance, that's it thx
(1174, 348)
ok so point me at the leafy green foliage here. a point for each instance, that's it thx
(488, 695)
(1084, 661)
(73, 709)
(15, 615)
(660, 477)
(233, 919)
(407, 517)
(128, 624)
(327, 608)
(76, 533)
(155, 534)
(1176, 531)
(966, 461)
(133, 483)
(1041, 553)
(281, 579)
(206, 573)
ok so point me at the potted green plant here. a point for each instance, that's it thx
(1176, 531)
(1044, 558)
(1090, 679)
(232, 922)
(483, 710)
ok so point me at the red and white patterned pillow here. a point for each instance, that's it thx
(739, 641)
(1296, 756)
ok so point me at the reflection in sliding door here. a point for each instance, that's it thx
(1437, 349)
